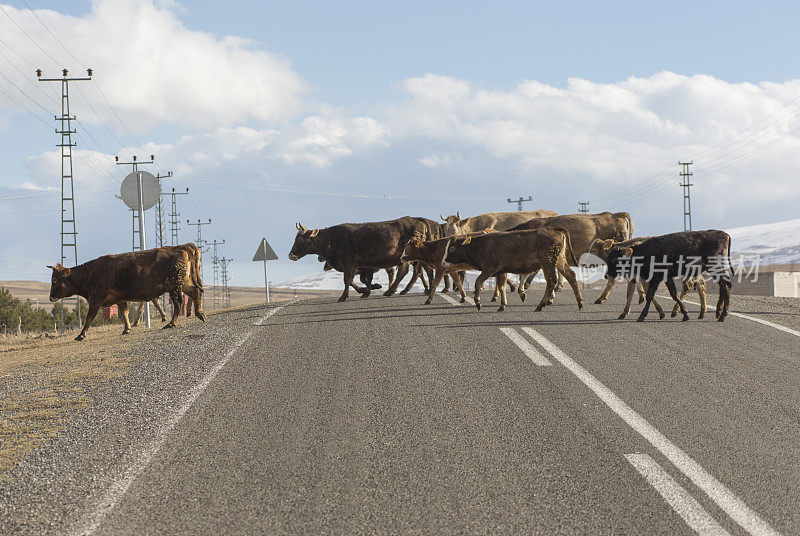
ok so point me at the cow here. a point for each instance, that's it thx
(583, 230)
(518, 252)
(351, 246)
(677, 255)
(500, 221)
(599, 249)
(365, 276)
(432, 254)
(133, 276)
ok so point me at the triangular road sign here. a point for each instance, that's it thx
(264, 252)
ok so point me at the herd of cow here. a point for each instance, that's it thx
(495, 244)
(500, 243)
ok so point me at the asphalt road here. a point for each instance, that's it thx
(385, 416)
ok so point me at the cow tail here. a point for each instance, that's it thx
(730, 263)
(570, 254)
(195, 271)
(630, 224)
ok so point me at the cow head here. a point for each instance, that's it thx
(456, 252)
(303, 243)
(613, 256)
(60, 285)
(413, 251)
(453, 224)
(599, 248)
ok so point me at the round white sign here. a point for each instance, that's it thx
(129, 191)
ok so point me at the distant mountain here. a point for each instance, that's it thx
(775, 243)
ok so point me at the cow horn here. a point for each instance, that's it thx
(458, 215)
(299, 227)
(314, 233)
(443, 218)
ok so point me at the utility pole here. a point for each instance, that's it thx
(174, 217)
(160, 214)
(584, 207)
(687, 200)
(226, 293)
(69, 230)
(519, 202)
(215, 260)
(200, 241)
(135, 214)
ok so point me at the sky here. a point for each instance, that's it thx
(273, 113)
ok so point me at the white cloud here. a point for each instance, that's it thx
(154, 70)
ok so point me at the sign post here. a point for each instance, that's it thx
(265, 253)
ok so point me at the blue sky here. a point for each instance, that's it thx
(466, 103)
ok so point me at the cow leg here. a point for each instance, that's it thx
(569, 275)
(496, 292)
(366, 277)
(458, 284)
(551, 276)
(640, 289)
(438, 275)
(137, 316)
(673, 291)
(196, 297)
(122, 311)
(401, 273)
(500, 281)
(560, 284)
(606, 291)
(94, 307)
(651, 293)
(724, 299)
(348, 275)
(416, 271)
(685, 288)
(427, 271)
(629, 297)
(700, 287)
(476, 295)
(390, 275)
(447, 284)
(176, 297)
(160, 310)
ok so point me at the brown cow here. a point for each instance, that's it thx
(500, 221)
(134, 276)
(501, 253)
(432, 254)
(583, 230)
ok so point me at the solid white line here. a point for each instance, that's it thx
(725, 498)
(455, 301)
(678, 498)
(269, 314)
(527, 348)
(120, 486)
(790, 331)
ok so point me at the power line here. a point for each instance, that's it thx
(52, 34)
(28, 36)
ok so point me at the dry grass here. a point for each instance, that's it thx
(43, 379)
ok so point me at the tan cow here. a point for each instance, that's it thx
(500, 221)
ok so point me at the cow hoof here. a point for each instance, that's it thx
(549, 302)
(641, 300)
(580, 306)
(501, 308)
(721, 318)
(342, 298)
(522, 297)
(478, 305)
(376, 286)
(685, 318)
(388, 293)
(463, 300)
(598, 301)
(403, 292)
(365, 295)
(674, 314)
(622, 316)
(640, 319)
(168, 326)
(361, 290)
(427, 302)
(80, 337)
(493, 300)
(201, 316)
(701, 316)
(538, 308)
(662, 315)
(445, 290)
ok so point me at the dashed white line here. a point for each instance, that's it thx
(790, 331)
(141, 460)
(527, 348)
(678, 498)
(716, 490)
(456, 302)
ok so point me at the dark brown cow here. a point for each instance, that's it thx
(676, 256)
(516, 252)
(351, 246)
(136, 276)
(500, 221)
(583, 230)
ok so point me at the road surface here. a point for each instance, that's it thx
(385, 416)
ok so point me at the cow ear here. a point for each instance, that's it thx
(466, 241)
(627, 252)
(53, 267)
(314, 233)
(469, 218)
(607, 244)
(65, 271)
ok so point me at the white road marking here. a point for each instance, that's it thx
(455, 301)
(716, 490)
(141, 460)
(790, 331)
(678, 498)
(269, 314)
(527, 348)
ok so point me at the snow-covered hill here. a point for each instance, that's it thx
(775, 243)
